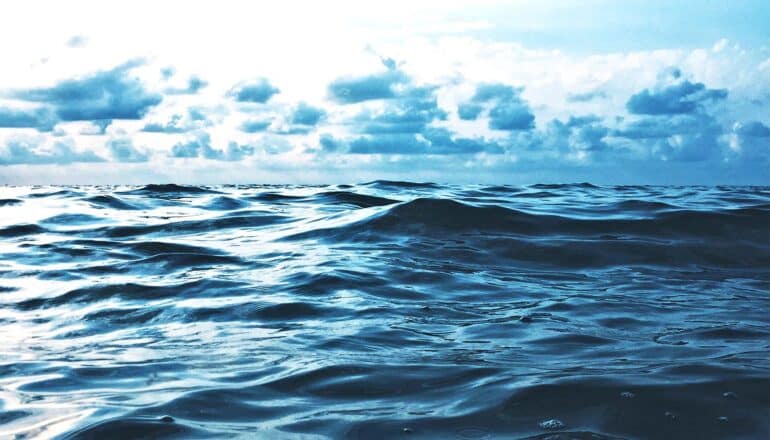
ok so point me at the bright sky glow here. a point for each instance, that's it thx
(329, 92)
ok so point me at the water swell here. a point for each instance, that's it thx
(385, 310)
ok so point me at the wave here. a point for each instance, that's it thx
(385, 310)
(438, 216)
(252, 220)
(353, 199)
(134, 292)
(21, 230)
(72, 219)
(223, 203)
(10, 202)
(582, 185)
(112, 202)
(396, 184)
(169, 189)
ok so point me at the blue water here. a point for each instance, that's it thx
(385, 310)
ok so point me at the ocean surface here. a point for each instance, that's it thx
(385, 310)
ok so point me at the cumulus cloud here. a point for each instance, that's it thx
(238, 152)
(329, 144)
(646, 114)
(257, 91)
(433, 141)
(77, 41)
(41, 119)
(199, 145)
(194, 84)
(587, 96)
(504, 106)
(97, 127)
(304, 114)
(30, 151)
(122, 150)
(111, 94)
(684, 97)
(179, 123)
(752, 129)
(751, 141)
(388, 144)
(413, 110)
(677, 137)
(255, 125)
(674, 121)
(578, 136)
(382, 85)
(469, 111)
(195, 146)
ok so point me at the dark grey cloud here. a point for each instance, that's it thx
(507, 110)
(41, 119)
(25, 151)
(682, 98)
(111, 94)
(257, 91)
(123, 150)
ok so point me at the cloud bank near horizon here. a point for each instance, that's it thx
(446, 107)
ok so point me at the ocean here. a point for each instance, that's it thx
(385, 310)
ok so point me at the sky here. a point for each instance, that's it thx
(608, 92)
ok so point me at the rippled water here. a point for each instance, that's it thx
(385, 310)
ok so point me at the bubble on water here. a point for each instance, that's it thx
(552, 424)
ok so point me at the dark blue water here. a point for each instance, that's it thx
(385, 310)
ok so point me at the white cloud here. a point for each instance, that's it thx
(302, 53)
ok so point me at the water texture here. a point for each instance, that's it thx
(385, 310)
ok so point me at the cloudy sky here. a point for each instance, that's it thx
(650, 92)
